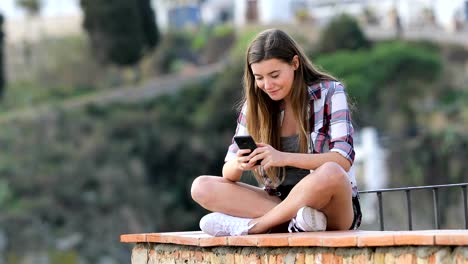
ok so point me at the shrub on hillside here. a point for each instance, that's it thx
(386, 78)
(122, 32)
(342, 33)
(175, 47)
(217, 44)
(2, 73)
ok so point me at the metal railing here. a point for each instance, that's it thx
(435, 201)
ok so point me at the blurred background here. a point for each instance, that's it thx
(109, 110)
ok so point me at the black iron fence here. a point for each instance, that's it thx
(435, 201)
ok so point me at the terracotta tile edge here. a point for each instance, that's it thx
(244, 241)
(154, 238)
(180, 240)
(296, 241)
(404, 239)
(274, 241)
(212, 241)
(367, 239)
(133, 238)
(451, 240)
(336, 242)
(375, 240)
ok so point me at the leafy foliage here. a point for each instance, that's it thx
(388, 77)
(130, 165)
(68, 72)
(127, 168)
(121, 32)
(179, 49)
(175, 47)
(33, 7)
(342, 33)
(2, 63)
(151, 32)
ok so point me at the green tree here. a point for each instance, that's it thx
(2, 72)
(120, 32)
(387, 78)
(148, 18)
(343, 33)
(32, 7)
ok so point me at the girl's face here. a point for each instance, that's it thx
(275, 77)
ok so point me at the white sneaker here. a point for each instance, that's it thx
(219, 224)
(308, 219)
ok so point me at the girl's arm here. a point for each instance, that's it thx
(233, 168)
(313, 161)
(274, 158)
(231, 171)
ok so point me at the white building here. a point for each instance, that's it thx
(262, 11)
(372, 170)
(410, 11)
(183, 13)
(176, 13)
(214, 11)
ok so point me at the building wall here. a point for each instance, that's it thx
(410, 11)
(275, 11)
(17, 29)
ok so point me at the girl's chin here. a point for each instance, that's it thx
(275, 98)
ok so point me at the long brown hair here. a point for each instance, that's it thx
(263, 113)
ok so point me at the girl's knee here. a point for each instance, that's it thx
(200, 188)
(332, 168)
(333, 174)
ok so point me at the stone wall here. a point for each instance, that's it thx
(152, 253)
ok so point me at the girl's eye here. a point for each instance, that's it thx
(275, 76)
(258, 78)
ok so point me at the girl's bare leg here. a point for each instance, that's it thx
(233, 198)
(327, 189)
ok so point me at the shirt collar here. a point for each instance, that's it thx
(315, 91)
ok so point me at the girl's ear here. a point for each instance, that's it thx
(295, 62)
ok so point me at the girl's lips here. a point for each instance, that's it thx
(273, 92)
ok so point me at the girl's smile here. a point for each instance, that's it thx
(275, 77)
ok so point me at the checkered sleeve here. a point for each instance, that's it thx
(341, 129)
(241, 130)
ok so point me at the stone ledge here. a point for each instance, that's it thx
(153, 253)
(331, 239)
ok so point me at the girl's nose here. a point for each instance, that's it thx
(268, 84)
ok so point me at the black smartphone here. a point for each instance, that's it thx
(246, 142)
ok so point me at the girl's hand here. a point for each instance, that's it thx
(270, 157)
(245, 163)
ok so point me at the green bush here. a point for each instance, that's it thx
(388, 76)
(120, 33)
(2, 72)
(175, 46)
(342, 33)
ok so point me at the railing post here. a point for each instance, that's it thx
(408, 206)
(435, 200)
(379, 196)
(465, 205)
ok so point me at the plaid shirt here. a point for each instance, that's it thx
(330, 118)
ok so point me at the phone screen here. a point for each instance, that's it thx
(246, 142)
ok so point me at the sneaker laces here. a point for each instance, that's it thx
(238, 229)
(233, 227)
(307, 219)
(292, 227)
(218, 224)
